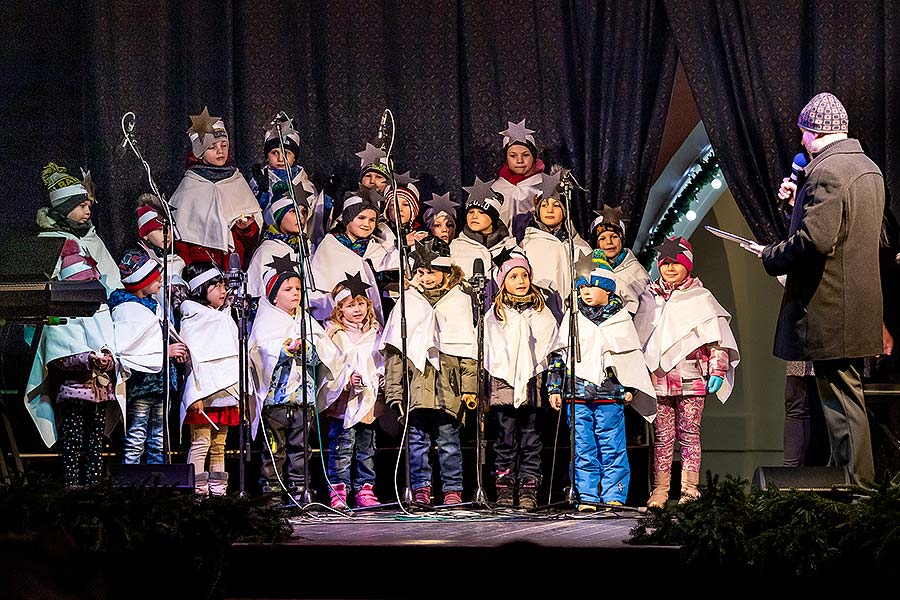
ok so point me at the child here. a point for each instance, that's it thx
(520, 333)
(348, 248)
(383, 248)
(373, 169)
(440, 217)
(520, 176)
(74, 374)
(209, 403)
(485, 235)
(265, 178)
(608, 233)
(69, 217)
(349, 398)
(217, 212)
(691, 352)
(546, 244)
(441, 351)
(276, 364)
(281, 236)
(150, 232)
(139, 344)
(610, 374)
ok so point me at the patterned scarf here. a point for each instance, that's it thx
(359, 246)
(598, 314)
(273, 233)
(520, 303)
(664, 289)
(121, 296)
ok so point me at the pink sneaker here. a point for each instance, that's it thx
(423, 495)
(452, 498)
(366, 497)
(339, 496)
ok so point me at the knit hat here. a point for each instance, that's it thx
(138, 270)
(280, 204)
(355, 205)
(148, 220)
(205, 131)
(608, 218)
(291, 139)
(66, 192)
(676, 250)
(824, 114)
(409, 192)
(199, 281)
(506, 261)
(274, 278)
(482, 196)
(594, 270)
(431, 253)
(74, 265)
(517, 133)
(373, 159)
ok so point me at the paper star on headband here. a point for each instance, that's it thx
(442, 203)
(670, 248)
(283, 264)
(203, 123)
(355, 284)
(517, 132)
(371, 155)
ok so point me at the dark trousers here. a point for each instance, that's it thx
(343, 444)
(518, 445)
(805, 436)
(286, 444)
(81, 435)
(427, 425)
(840, 388)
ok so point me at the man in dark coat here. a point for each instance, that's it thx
(832, 307)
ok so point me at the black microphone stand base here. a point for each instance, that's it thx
(570, 501)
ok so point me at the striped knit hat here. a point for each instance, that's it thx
(594, 270)
(824, 114)
(205, 131)
(138, 270)
(148, 220)
(274, 279)
(408, 192)
(74, 265)
(66, 191)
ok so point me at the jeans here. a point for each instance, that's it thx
(343, 444)
(427, 426)
(602, 472)
(144, 417)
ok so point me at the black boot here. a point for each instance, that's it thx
(506, 490)
(528, 488)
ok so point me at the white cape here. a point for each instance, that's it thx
(517, 349)
(91, 245)
(549, 260)
(267, 250)
(212, 339)
(631, 281)
(614, 343)
(670, 330)
(464, 250)
(271, 328)
(138, 335)
(517, 198)
(79, 334)
(445, 328)
(207, 211)
(361, 357)
(329, 264)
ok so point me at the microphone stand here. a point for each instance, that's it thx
(127, 123)
(305, 286)
(240, 288)
(479, 499)
(405, 499)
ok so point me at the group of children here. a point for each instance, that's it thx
(326, 344)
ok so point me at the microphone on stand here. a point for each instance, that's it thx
(234, 276)
(381, 137)
(281, 117)
(477, 279)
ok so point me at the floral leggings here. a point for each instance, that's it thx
(677, 417)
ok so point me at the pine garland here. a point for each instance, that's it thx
(697, 181)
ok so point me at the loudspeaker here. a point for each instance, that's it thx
(179, 477)
(802, 479)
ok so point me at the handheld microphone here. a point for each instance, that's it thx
(234, 276)
(798, 165)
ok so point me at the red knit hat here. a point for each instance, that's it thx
(148, 220)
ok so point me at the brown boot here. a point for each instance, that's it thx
(689, 491)
(660, 494)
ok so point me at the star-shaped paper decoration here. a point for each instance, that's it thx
(504, 255)
(370, 156)
(480, 190)
(550, 185)
(442, 203)
(610, 214)
(280, 190)
(423, 253)
(517, 132)
(283, 264)
(669, 249)
(88, 182)
(355, 284)
(203, 123)
(404, 179)
(287, 128)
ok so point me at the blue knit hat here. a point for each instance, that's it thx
(594, 270)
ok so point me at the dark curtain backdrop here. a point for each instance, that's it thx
(593, 79)
(752, 66)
